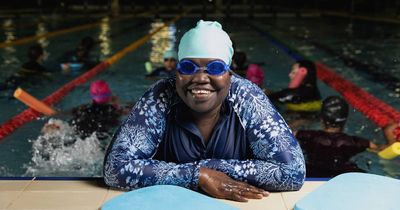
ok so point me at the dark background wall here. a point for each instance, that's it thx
(386, 8)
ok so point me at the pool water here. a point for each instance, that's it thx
(28, 153)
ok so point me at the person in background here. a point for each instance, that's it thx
(206, 129)
(97, 118)
(35, 64)
(79, 59)
(239, 63)
(101, 115)
(392, 132)
(169, 66)
(30, 71)
(255, 74)
(302, 101)
(328, 151)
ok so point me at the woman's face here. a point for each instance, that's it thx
(202, 92)
(295, 68)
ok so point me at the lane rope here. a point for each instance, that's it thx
(371, 107)
(28, 115)
(28, 39)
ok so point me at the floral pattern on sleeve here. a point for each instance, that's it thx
(278, 164)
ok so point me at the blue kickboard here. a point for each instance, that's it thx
(354, 191)
(166, 197)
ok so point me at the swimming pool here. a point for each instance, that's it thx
(22, 155)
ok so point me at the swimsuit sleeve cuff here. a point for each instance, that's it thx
(194, 183)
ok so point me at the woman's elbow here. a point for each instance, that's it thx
(298, 175)
(298, 181)
(285, 178)
(113, 173)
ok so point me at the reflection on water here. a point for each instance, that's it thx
(9, 57)
(43, 41)
(41, 29)
(162, 41)
(104, 38)
(60, 151)
(8, 23)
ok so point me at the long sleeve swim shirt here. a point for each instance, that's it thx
(158, 144)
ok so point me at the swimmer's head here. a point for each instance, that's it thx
(392, 132)
(54, 127)
(170, 60)
(206, 40)
(206, 45)
(100, 92)
(255, 74)
(240, 59)
(170, 54)
(334, 111)
(311, 76)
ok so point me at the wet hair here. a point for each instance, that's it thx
(240, 58)
(334, 111)
(311, 77)
(35, 51)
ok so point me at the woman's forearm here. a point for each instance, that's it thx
(267, 175)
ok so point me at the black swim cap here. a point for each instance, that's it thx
(311, 76)
(334, 111)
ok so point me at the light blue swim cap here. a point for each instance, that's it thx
(206, 40)
(170, 54)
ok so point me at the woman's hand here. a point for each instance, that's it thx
(219, 185)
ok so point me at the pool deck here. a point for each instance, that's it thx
(91, 194)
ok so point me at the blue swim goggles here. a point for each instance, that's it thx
(188, 67)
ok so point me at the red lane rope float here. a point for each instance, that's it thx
(374, 109)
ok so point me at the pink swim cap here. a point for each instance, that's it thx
(255, 74)
(100, 92)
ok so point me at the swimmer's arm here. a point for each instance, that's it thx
(376, 148)
(69, 112)
(278, 94)
(278, 163)
(128, 162)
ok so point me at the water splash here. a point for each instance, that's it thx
(60, 151)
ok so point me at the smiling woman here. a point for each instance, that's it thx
(206, 129)
(200, 90)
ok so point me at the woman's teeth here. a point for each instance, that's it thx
(194, 91)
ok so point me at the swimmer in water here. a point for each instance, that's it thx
(169, 66)
(302, 103)
(328, 151)
(30, 72)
